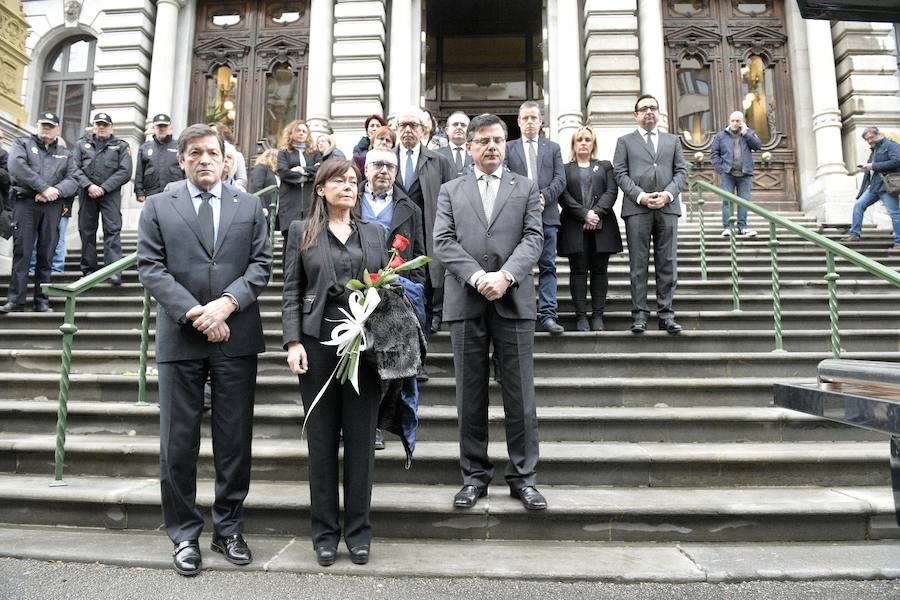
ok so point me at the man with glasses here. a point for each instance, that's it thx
(421, 173)
(43, 172)
(456, 152)
(489, 236)
(104, 162)
(649, 167)
(382, 201)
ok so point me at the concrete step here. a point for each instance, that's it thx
(853, 340)
(595, 514)
(551, 364)
(562, 463)
(549, 391)
(439, 423)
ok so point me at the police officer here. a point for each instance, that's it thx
(157, 163)
(104, 162)
(43, 172)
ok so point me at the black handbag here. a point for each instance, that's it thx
(891, 183)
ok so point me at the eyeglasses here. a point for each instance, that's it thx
(380, 166)
(644, 109)
(487, 140)
(408, 125)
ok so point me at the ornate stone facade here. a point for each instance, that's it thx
(13, 60)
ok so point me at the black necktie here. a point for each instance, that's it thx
(205, 215)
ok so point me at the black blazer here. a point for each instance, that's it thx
(308, 277)
(261, 177)
(294, 195)
(575, 208)
(407, 221)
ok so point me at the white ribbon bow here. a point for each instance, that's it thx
(344, 335)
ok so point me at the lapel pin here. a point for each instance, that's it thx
(596, 168)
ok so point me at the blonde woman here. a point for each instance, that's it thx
(327, 147)
(298, 161)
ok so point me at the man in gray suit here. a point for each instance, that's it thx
(455, 151)
(204, 254)
(487, 233)
(650, 168)
(421, 174)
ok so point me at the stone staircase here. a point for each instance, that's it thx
(649, 438)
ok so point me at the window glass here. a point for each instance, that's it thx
(477, 50)
(50, 97)
(689, 8)
(221, 97)
(57, 65)
(760, 103)
(79, 54)
(72, 125)
(225, 18)
(281, 101)
(693, 102)
(757, 8)
(284, 14)
(484, 85)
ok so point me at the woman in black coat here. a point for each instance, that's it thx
(588, 231)
(298, 161)
(323, 252)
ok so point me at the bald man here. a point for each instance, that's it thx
(732, 157)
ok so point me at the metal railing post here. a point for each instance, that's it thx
(68, 330)
(732, 227)
(700, 205)
(776, 287)
(145, 344)
(831, 277)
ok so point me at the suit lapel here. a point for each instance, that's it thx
(507, 183)
(643, 142)
(474, 196)
(184, 205)
(228, 205)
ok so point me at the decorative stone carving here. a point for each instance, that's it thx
(72, 10)
(13, 31)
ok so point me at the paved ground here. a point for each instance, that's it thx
(31, 579)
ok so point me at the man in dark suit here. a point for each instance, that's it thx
(488, 235)
(649, 167)
(421, 173)
(204, 254)
(541, 161)
(455, 152)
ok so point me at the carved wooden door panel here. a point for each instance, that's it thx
(249, 68)
(728, 55)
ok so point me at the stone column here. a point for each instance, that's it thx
(833, 191)
(569, 64)
(401, 94)
(318, 89)
(162, 69)
(653, 56)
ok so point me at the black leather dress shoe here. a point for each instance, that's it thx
(359, 555)
(551, 327)
(42, 307)
(422, 375)
(11, 307)
(325, 555)
(186, 558)
(435, 324)
(531, 498)
(638, 326)
(233, 547)
(379, 439)
(468, 496)
(670, 326)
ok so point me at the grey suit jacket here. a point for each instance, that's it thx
(638, 170)
(432, 171)
(176, 267)
(551, 173)
(465, 242)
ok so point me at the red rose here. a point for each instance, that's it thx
(395, 262)
(374, 277)
(400, 243)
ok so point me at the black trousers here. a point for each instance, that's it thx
(580, 265)
(90, 210)
(233, 383)
(340, 412)
(33, 221)
(513, 342)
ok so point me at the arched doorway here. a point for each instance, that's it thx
(67, 83)
(483, 56)
(250, 67)
(728, 55)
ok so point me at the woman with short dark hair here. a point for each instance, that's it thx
(373, 123)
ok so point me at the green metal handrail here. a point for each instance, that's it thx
(832, 249)
(71, 292)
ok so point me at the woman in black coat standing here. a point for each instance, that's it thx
(323, 252)
(298, 161)
(588, 232)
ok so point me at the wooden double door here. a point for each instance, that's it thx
(731, 55)
(249, 68)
